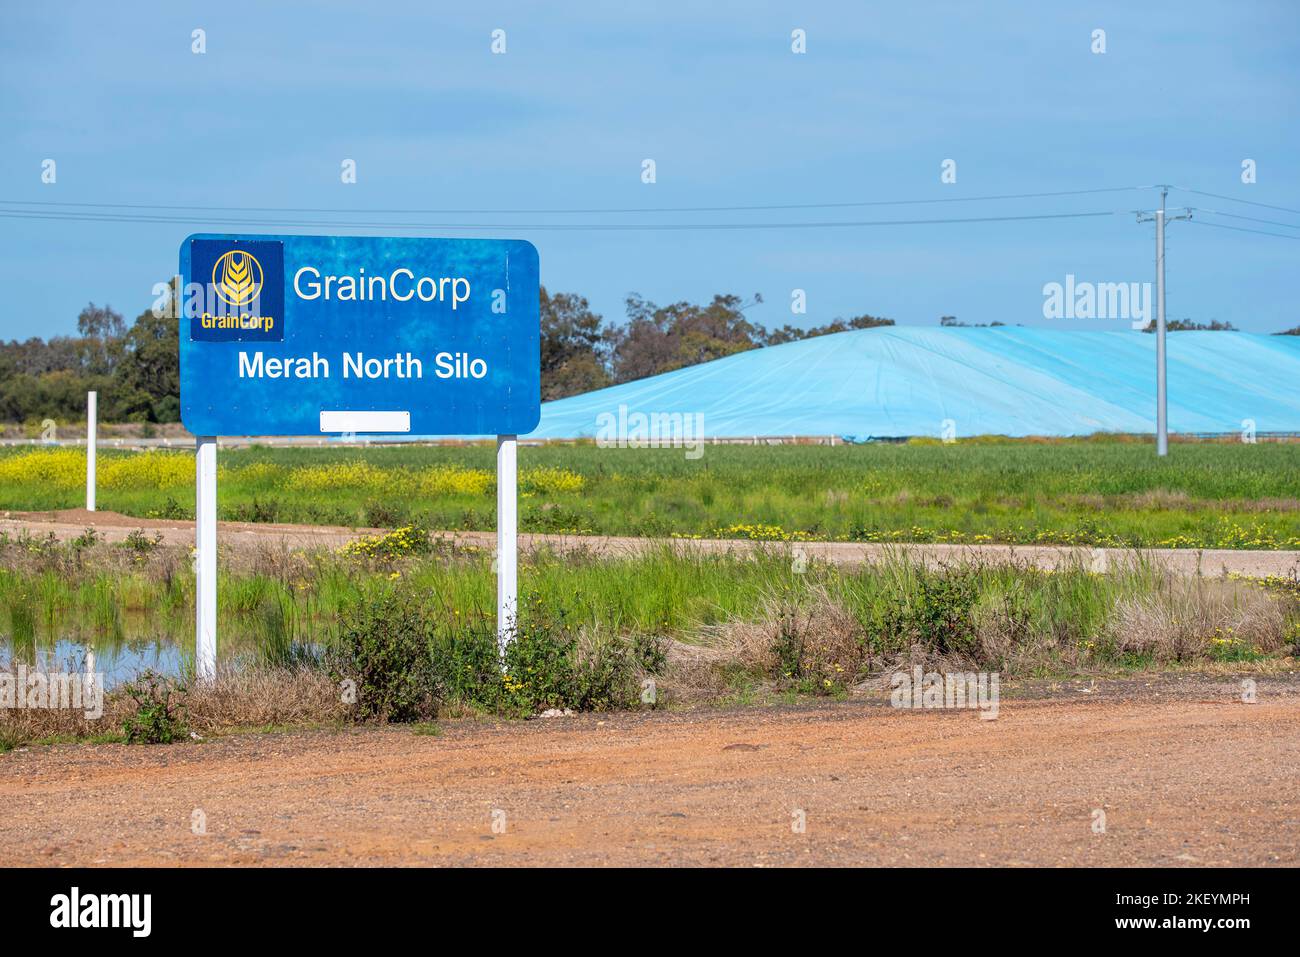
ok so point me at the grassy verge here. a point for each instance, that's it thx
(1110, 493)
(402, 628)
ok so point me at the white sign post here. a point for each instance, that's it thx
(92, 413)
(507, 542)
(205, 559)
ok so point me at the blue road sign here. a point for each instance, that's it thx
(312, 335)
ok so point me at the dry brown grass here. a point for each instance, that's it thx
(1183, 620)
(75, 564)
(276, 559)
(24, 726)
(248, 698)
(818, 643)
(1166, 500)
(1159, 499)
(258, 697)
(701, 671)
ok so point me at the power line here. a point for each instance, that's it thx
(549, 227)
(589, 211)
(156, 214)
(1252, 219)
(58, 207)
(1242, 229)
(1234, 199)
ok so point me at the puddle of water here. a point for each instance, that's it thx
(116, 663)
(121, 653)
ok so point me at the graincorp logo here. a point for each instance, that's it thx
(237, 277)
(236, 290)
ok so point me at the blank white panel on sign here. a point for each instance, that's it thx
(344, 421)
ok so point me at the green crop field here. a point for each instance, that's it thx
(1086, 492)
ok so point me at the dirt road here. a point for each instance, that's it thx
(1184, 772)
(114, 527)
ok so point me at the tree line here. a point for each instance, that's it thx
(135, 368)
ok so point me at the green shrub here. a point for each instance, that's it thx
(650, 652)
(385, 514)
(551, 664)
(158, 710)
(406, 667)
(384, 647)
(87, 539)
(260, 509)
(604, 675)
(466, 666)
(171, 508)
(540, 671)
(937, 614)
(142, 544)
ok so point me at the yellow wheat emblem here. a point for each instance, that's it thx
(237, 277)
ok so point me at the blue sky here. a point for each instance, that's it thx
(886, 92)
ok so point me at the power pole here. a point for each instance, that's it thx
(1162, 416)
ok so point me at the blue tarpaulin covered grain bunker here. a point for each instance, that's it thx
(899, 381)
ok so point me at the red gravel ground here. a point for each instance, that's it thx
(1184, 772)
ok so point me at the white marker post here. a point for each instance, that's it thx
(92, 413)
(205, 560)
(507, 542)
